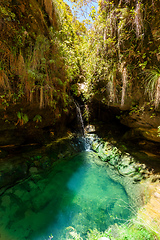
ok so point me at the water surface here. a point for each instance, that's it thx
(76, 192)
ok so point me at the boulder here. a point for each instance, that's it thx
(127, 170)
(90, 128)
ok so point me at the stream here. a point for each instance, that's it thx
(75, 193)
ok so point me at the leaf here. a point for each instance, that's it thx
(19, 115)
(25, 118)
(37, 118)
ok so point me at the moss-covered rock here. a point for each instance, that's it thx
(124, 163)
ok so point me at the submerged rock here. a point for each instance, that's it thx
(124, 163)
(33, 170)
(127, 170)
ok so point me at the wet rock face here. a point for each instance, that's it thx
(31, 160)
(150, 134)
(142, 122)
(12, 172)
(150, 213)
(145, 119)
(143, 125)
(123, 162)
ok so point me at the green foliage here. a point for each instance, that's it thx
(153, 84)
(37, 118)
(118, 39)
(22, 118)
(86, 113)
(95, 234)
(43, 63)
(5, 101)
(136, 109)
(7, 14)
(36, 158)
(34, 63)
(135, 231)
(125, 232)
(72, 234)
(158, 131)
(19, 115)
(74, 89)
(25, 118)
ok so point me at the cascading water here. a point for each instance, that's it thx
(86, 141)
(79, 117)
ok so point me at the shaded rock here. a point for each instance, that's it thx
(125, 164)
(3, 153)
(95, 146)
(33, 170)
(127, 170)
(126, 160)
(150, 134)
(150, 213)
(144, 120)
(114, 160)
(132, 134)
(11, 172)
(90, 129)
(137, 177)
(11, 137)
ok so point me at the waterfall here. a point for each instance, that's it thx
(79, 117)
(84, 140)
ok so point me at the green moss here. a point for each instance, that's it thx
(135, 232)
(123, 232)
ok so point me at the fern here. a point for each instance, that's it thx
(37, 118)
(25, 118)
(19, 115)
(153, 84)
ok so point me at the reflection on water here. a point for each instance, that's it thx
(76, 192)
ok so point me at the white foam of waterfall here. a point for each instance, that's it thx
(79, 117)
(86, 138)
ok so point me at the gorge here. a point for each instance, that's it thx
(55, 69)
